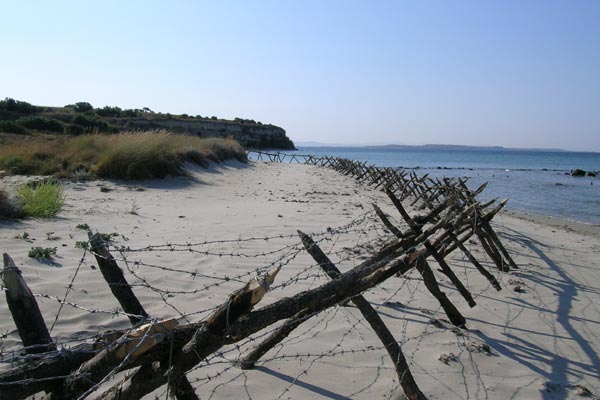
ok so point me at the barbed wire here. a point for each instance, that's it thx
(346, 245)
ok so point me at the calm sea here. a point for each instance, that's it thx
(534, 181)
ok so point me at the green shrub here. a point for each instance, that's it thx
(93, 123)
(42, 252)
(129, 113)
(108, 111)
(21, 107)
(82, 244)
(14, 164)
(42, 200)
(13, 127)
(42, 124)
(75, 130)
(82, 106)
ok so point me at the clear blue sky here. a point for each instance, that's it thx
(510, 73)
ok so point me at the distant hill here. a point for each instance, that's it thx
(20, 117)
(445, 147)
(460, 147)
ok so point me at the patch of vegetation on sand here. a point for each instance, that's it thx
(41, 200)
(128, 155)
(37, 199)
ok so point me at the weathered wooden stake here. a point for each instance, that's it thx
(476, 263)
(182, 389)
(249, 360)
(450, 274)
(25, 310)
(491, 250)
(431, 284)
(407, 381)
(494, 238)
(387, 222)
(116, 280)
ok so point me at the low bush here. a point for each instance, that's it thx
(42, 124)
(108, 111)
(82, 106)
(75, 130)
(13, 127)
(21, 107)
(92, 123)
(42, 252)
(42, 200)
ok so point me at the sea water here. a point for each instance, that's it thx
(535, 181)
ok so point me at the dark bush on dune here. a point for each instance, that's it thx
(42, 124)
(108, 111)
(16, 106)
(93, 124)
(13, 127)
(75, 130)
(82, 106)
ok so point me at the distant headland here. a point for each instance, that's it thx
(433, 147)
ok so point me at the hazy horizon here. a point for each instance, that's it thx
(511, 74)
(322, 144)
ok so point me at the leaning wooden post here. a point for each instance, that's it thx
(491, 251)
(414, 226)
(25, 310)
(387, 222)
(407, 381)
(494, 239)
(249, 360)
(450, 274)
(113, 275)
(474, 261)
(431, 284)
(116, 280)
(439, 258)
(207, 337)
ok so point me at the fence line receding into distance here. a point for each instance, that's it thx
(237, 334)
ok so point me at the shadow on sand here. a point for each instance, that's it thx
(192, 177)
(308, 386)
(533, 355)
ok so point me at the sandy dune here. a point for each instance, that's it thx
(211, 231)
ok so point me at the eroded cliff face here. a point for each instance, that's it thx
(251, 136)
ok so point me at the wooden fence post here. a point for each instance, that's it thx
(25, 310)
(116, 280)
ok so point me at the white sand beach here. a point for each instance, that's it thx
(209, 232)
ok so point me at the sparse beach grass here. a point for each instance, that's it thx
(42, 200)
(129, 155)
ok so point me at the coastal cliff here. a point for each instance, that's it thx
(250, 135)
(22, 118)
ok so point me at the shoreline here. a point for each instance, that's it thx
(582, 228)
(565, 196)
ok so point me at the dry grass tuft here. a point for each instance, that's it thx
(129, 155)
